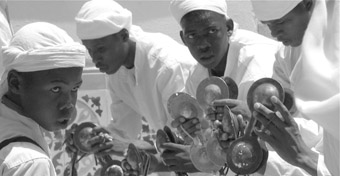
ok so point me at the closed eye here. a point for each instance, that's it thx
(75, 89)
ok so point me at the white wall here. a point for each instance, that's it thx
(151, 15)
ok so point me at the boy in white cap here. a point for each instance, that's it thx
(143, 69)
(316, 98)
(221, 50)
(43, 68)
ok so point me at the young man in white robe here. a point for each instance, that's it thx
(221, 49)
(314, 78)
(143, 69)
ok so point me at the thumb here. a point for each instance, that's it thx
(172, 146)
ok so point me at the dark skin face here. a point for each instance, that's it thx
(111, 52)
(290, 29)
(207, 37)
(48, 97)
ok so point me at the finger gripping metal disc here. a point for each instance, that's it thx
(82, 135)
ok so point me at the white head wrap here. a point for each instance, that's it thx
(179, 8)
(267, 10)
(40, 46)
(100, 18)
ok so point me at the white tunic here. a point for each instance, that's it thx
(250, 57)
(161, 68)
(316, 78)
(311, 132)
(23, 158)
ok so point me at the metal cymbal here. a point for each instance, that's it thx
(245, 154)
(210, 89)
(181, 104)
(81, 136)
(261, 91)
(112, 168)
(200, 159)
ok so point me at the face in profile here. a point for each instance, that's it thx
(290, 29)
(49, 96)
(108, 53)
(205, 34)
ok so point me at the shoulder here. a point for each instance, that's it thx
(249, 38)
(167, 51)
(24, 154)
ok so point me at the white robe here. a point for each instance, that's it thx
(316, 77)
(161, 68)
(250, 57)
(311, 132)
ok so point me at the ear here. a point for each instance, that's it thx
(308, 4)
(15, 81)
(182, 37)
(124, 34)
(230, 26)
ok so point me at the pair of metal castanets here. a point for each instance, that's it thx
(80, 137)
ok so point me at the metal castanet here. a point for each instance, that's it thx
(165, 136)
(210, 89)
(201, 160)
(83, 133)
(262, 90)
(246, 155)
(232, 87)
(137, 161)
(181, 104)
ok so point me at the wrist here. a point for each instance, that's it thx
(157, 165)
(309, 162)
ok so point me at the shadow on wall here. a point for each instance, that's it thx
(151, 15)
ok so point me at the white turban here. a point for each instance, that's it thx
(179, 8)
(40, 46)
(267, 10)
(100, 18)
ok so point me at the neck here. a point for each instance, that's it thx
(220, 68)
(10, 102)
(130, 61)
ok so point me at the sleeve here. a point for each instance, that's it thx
(26, 159)
(170, 81)
(280, 71)
(40, 166)
(316, 110)
(322, 169)
(276, 166)
(256, 62)
(126, 122)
